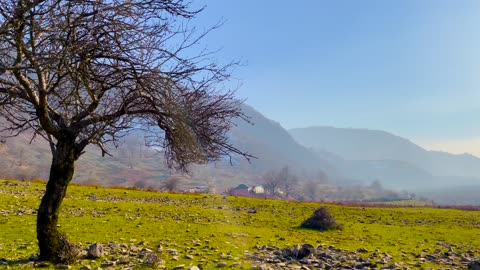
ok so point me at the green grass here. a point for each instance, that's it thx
(223, 226)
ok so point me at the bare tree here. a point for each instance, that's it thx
(171, 184)
(89, 72)
(288, 181)
(280, 182)
(310, 190)
(132, 150)
(271, 183)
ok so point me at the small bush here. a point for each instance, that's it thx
(70, 252)
(321, 220)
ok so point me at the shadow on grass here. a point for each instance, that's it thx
(300, 228)
(23, 261)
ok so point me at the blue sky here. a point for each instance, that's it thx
(409, 67)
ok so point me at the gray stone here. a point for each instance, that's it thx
(95, 251)
(107, 264)
(221, 264)
(172, 251)
(305, 251)
(113, 245)
(122, 262)
(62, 266)
(152, 259)
(474, 265)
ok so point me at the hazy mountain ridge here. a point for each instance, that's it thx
(410, 165)
(274, 146)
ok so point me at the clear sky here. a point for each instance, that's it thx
(410, 67)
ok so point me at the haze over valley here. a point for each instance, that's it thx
(328, 157)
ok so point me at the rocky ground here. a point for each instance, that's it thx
(322, 257)
(303, 257)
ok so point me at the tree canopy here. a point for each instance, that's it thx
(94, 70)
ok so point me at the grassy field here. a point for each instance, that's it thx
(213, 228)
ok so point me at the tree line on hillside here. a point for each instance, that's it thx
(284, 183)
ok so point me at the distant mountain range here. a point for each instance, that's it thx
(372, 154)
(340, 156)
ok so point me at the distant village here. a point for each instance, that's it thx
(243, 190)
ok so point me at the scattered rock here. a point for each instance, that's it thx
(62, 266)
(113, 245)
(362, 250)
(221, 264)
(172, 251)
(305, 251)
(95, 251)
(474, 265)
(307, 257)
(107, 264)
(42, 265)
(152, 260)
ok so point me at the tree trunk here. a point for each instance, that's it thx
(61, 173)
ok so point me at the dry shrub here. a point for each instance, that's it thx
(321, 220)
(70, 252)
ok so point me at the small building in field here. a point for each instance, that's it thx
(257, 190)
(240, 190)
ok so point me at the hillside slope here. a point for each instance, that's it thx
(134, 164)
(274, 146)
